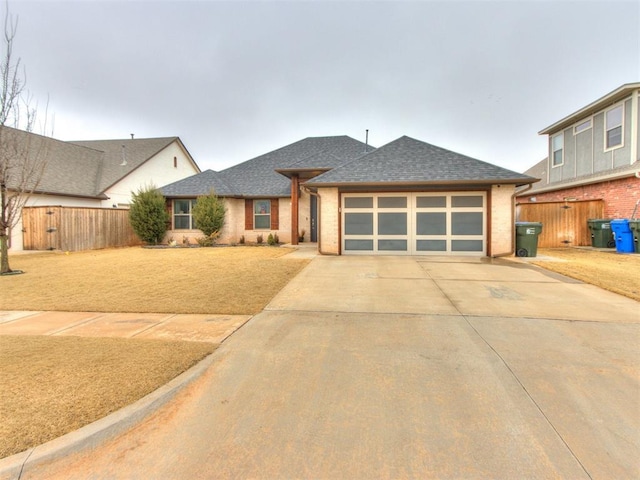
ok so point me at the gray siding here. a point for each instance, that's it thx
(569, 165)
(622, 156)
(601, 159)
(584, 152)
(636, 154)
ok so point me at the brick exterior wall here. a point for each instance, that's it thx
(502, 226)
(329, 220)
(234, 225)
(620, 196)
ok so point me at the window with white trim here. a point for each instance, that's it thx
(581, 127)
(557, 150)
(182, 219)
(262, 214)
(613, 127)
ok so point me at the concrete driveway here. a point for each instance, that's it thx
(403, 367)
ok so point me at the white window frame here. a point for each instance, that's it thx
(580, 127)
(554, 150)
(192, 202)
(607, 128)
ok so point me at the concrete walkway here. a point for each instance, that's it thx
(403, 367)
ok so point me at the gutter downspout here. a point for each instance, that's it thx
(513, 236)
(319, 197)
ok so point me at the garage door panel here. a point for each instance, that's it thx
(467, 223)
(359, 245)
(392, 245)
(458, 201)
(392, 202)
(392, 223)
(431, 245)
(431, 202)
(431, 223)
(467, 245)
(359, 224)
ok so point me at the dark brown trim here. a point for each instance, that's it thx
(248, 214)
(275, 214)
(295, 199)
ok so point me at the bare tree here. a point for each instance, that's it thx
(22, 156)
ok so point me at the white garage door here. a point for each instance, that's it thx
(414, 223)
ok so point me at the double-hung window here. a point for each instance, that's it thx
(613, 127)
(557, 148)
(262, 214)
(182, 219)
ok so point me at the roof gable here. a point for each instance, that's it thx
(121, 157)
(410, 161)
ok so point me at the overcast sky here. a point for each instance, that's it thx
(236, 79)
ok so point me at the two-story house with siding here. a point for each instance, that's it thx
(593, 157)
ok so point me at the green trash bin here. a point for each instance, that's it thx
(634, 225)
(601, 234)
(527, 238)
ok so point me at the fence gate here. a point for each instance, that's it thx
(76, 228)
(564, 224)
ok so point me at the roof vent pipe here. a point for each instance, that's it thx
(124, 158)
(366, 141)
(131, 136)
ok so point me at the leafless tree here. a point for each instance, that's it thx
(22, 155)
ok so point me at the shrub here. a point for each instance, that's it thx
(259, 239)
(208, 241)
(270, 240)
(148, 215)
(276, 239)
(208, 214)
(241, 241)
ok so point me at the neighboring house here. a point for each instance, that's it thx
(100, 173)
(593, 155)
(407, 197)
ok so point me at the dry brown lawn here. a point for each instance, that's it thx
(54, 385)
(606, 269)
(231, 280)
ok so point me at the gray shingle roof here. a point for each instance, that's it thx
(258, 177)
(83, 168)
(69, 169)
(410, 161)
(199, 184)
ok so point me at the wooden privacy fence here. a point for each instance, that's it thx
(76, 228)
(564, 224)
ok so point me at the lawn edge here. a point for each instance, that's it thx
(106, 428)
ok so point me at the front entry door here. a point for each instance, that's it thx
(313, 214)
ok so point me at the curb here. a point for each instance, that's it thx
(101, 430)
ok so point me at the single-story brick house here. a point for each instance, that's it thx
(405, 198)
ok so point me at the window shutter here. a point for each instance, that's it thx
(248, 214)
(275, 215)
(168, 205)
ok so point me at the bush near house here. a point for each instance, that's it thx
(208, 215)
(148, 215)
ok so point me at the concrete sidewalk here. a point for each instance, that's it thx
(198, 328)
(403, 367)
